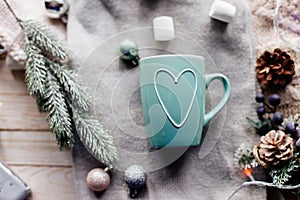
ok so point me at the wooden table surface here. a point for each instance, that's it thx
(26, 144)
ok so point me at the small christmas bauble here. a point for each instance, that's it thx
(129, 50)
(56, 8)
(135, 176)
(98, 180)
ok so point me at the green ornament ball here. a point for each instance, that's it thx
(129, 50)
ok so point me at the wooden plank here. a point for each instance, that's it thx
(48, 183)
(5, 73)
(13, 88)
(32, 148)
(21, 113)
(19, 75)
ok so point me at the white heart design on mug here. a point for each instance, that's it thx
(175, 78)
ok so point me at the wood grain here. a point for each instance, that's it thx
(26, 144)
(5, 73)
(13, 88)
(32, 148)
(48, 182)
(20, 113)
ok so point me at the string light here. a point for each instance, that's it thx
(247, 172)
(263, 184)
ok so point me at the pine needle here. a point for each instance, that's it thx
(72, 85)
(283, 175)
(35, 71)
(244, 158)
(58, 116)
(43, 38)
(95, 138)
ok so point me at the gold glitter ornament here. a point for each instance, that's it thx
(98, 179)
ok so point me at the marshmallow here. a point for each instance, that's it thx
(163, 28)
(222, 11)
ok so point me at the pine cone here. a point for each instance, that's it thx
(274, 149)
(275, 69)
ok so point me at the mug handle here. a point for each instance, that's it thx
(208, 79)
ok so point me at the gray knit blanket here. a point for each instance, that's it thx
(204, 172)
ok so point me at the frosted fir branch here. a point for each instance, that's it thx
(43, 38)
(282, 176)
(72, 84)
(58, 114)
(95, 138)
(35, 70)
(61, 94)
(244, 158)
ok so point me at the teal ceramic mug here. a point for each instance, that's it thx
(173, 93)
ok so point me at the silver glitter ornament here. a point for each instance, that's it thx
(56, 8)
(98, 180)
(136, 177)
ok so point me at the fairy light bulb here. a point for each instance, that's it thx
(247, 172)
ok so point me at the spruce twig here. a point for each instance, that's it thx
(72, 83)
(36, 72)
(95, 137)
(43, 38)
(283, 175)
(244, 158)
(60, 93)
(58, 117)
